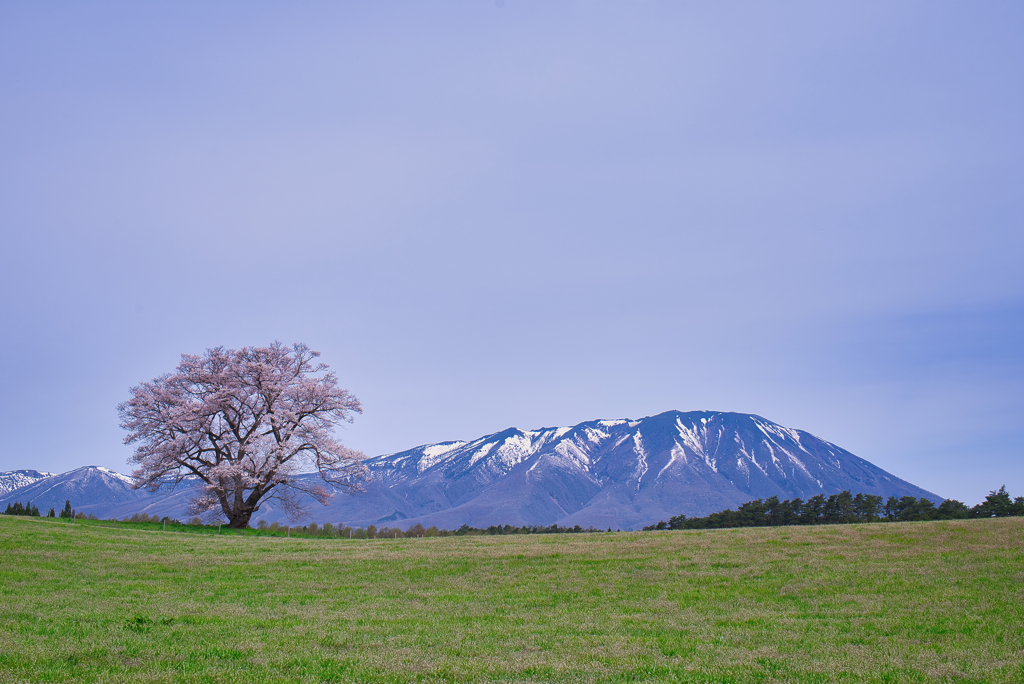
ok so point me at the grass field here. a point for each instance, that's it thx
(895, 602)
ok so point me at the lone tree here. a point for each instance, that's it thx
(245, 423)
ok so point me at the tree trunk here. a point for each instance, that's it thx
(240, 520)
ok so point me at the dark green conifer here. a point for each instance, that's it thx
(951, 509)
(996, 505)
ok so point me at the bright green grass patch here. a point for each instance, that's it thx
(892, 602)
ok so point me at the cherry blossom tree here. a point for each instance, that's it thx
(244, 423)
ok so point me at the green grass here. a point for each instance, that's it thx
(894, 602)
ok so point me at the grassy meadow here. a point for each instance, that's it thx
(892, 602)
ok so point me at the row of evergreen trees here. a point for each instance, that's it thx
(18, 509)
(527, 529)
(342, 531)
(30, 510)
(417, 530)
(846, 508)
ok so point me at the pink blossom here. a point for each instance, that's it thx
(245, 423)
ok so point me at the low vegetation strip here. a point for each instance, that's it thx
(895, 602)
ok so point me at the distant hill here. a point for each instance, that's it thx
(13, 479)
(622, 474)
(93, 489)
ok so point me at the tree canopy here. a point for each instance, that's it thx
(245, 423)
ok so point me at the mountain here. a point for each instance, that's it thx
(98, 490)
(13, 479)
(622, 474)
(609, 473)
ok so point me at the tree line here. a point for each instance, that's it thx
(845, 507)
(417, 530)
(326, 530)
(28, 509)
(527, 529)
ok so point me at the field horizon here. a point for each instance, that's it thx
(882, 602)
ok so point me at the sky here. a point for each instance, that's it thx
(493, 214)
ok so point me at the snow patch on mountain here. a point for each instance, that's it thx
(114, 474)
(514, 450)
(641, 463)
(432, 455)
(573, 454)
(674, 454)
(15, 479)
(696, 440)
(481, 453)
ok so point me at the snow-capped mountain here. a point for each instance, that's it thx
(13, 479)
(94, 489)
(622, 474)
(617, 473)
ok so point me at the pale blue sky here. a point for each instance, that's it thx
(525, 215)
